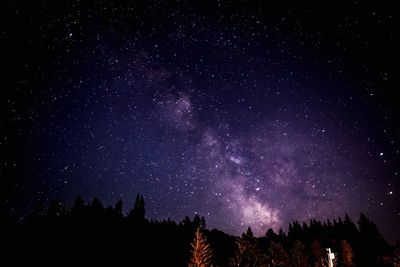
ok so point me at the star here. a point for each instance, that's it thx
(251, 115)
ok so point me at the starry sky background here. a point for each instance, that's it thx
(245, 112)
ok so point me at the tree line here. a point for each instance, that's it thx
(90, 234)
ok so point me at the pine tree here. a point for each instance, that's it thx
(316, 253)
(78, 205)
(297, 254)
(56, 208)
(118, 207)
(39, 210)
(138, 210)
(201, 251)
(248, 234)
(347, 253)
(97, 205)
(372, 244)
(203, 223)
(196, 220)
(96, 208)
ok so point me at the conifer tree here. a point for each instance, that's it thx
(297, 254)
(118, 207)
(316, 253)
(248, 234)
(56, 208)
(201, 251)
(138, 210)
(78, 205)
(347, 253)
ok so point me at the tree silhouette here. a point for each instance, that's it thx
(38, 211)
(97, 206)
(249, 233)
(271, 235)
(118, 207)
(78, 206)
(56, 208)
(201, 251)
(87, 233)
(372, 245)
(138, 211)
(203, 224)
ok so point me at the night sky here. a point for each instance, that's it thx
(250, 114)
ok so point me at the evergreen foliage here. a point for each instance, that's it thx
(201, 251)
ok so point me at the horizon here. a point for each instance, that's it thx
(237, 232)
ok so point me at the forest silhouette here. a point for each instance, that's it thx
(90, 234)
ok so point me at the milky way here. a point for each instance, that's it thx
(250, 115)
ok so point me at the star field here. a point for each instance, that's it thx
(249, 114)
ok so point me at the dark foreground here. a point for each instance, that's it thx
(89, 234)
